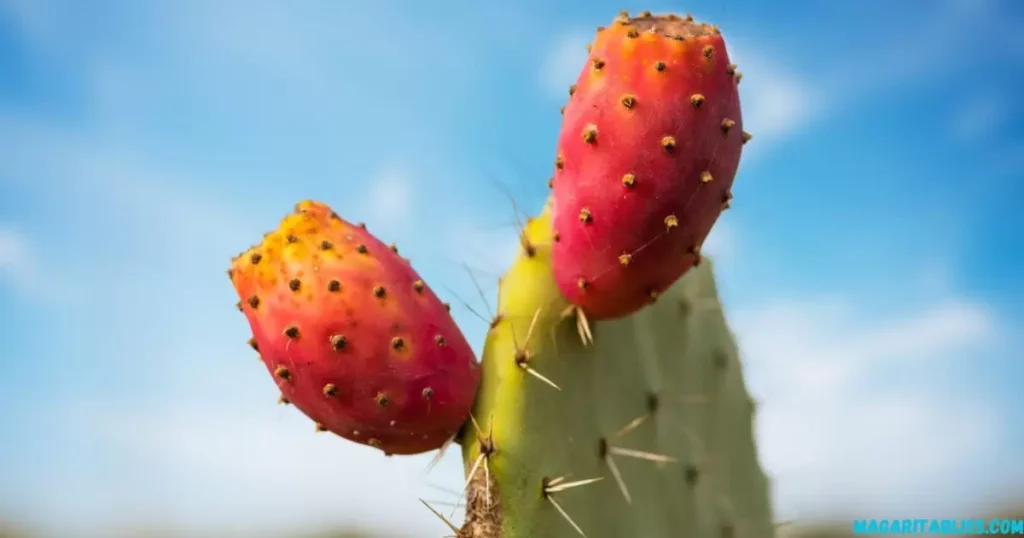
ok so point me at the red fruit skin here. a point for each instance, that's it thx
(649, 146)
(405, 378)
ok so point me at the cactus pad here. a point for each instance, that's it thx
(644, 433)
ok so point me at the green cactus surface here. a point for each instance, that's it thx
(644, 432)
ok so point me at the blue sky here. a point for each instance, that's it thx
(868, 263)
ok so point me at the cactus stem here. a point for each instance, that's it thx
(440, 516)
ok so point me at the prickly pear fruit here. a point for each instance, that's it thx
(649, 146)
(646, 433)
(352, 335)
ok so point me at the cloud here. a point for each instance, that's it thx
(838, 429)
(722, 242)
(390, 198)
(564, 62)
(22, 269)
(16, 258)
(222, 466)
(776, 100)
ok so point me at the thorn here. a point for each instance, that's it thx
(547, 492)
(486, 446)
(466, 306)
(479, 290)
(708, 51)
(590, 133)
(522, 354)
(634, 424)
(640, 455)
(334, 286)
(628, 101)
(440, 455)
(533, 324)
(566, 516)
(537, 374)
(696, 100)
(583, 328)
(441, 517)
(618, 477)
(554, 487)
(487, 484)
(472, 471)
(668, 143)
(597, 62)
(294, 284)
(659, 66)
(628, 180)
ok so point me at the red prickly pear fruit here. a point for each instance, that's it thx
(650, 143)
(352, 335)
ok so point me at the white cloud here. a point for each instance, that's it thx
(722, 242)
(23, 271)
(838, 428)
(16, 259)
(390, 198)
(564, 62)
(223, 467)
(776, 101)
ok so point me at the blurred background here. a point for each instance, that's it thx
(871, 264)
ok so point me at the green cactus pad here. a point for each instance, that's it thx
(658, 399)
